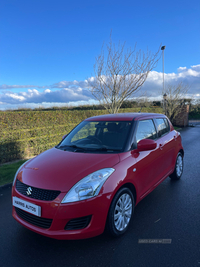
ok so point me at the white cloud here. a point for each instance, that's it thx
(64, 95)
(182, 69)
(196, 67)
(70, 84)
(191, 76)
(14, 86)
(76, 92)
(15, 96)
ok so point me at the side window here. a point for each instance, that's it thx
(163, 126)
(145, 130)
(167, 125)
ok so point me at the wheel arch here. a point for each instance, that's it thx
(181, 151)
(132, 188)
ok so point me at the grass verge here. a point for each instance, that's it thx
(176, 128)
(7, 172)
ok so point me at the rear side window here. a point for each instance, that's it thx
(163, 126)
(145, 130)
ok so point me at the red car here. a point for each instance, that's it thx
(96, 176)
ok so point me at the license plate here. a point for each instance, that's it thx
(26, 206)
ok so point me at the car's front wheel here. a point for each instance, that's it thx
(178, 170)
(121, 211)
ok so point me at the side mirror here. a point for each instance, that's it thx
(145, 145)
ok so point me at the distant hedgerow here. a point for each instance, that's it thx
(26, 133)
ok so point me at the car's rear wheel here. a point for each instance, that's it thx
(121, 211)
(178, 170)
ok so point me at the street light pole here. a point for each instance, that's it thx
(165, 101)
(163, 48)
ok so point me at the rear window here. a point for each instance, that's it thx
(163, 126)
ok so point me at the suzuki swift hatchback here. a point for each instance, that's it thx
(96, 175)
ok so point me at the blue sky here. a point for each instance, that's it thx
(47, 45)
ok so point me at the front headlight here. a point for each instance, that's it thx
(88, 187)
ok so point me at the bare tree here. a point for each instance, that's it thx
(120, 74)
(143, 101)
(176, 96)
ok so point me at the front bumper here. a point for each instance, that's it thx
(61, 214)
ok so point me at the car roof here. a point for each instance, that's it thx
(125, 117)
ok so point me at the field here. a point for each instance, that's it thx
(26, 133)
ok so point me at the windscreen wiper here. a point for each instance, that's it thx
(73, 146)
(104, 148)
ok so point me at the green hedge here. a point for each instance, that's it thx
(24, 134)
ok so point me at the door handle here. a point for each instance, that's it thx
(161, 146)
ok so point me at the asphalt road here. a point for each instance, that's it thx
(171, 211)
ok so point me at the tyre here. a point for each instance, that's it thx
(178, 170)
(120, 212)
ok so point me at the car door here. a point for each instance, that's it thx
(166, 143)
(147, 165)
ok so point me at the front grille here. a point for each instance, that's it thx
(78, 223)
(34, 220)
(36, 193)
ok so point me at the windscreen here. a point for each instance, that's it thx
(98, 136)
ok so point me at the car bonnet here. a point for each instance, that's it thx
(56, 169)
